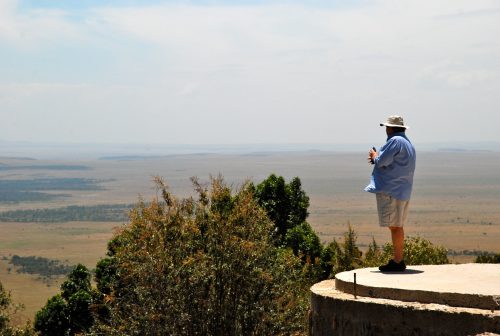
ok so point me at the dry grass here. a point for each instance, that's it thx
(71, 243)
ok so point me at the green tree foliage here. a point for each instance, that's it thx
(204, 266)
(304, 241)
(285, 204)
(299, 202)
(68, 313)
(486, 258)
(53, 318)
(6, 310)
(106, 274)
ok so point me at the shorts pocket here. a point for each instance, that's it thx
(386, 209)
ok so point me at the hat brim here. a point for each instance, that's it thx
(394, 125)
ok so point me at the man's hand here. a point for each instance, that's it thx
(372, 154)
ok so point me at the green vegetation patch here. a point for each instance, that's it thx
(72, 213)
(488, 258)
(45, 267)
(14, 196)
(29, 190)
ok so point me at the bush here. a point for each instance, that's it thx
(347, 256)
(420, 251)
(486, 258)
(201, 267)
(417, 251)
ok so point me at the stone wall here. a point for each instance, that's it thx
(337, 313)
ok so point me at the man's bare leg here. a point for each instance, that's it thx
(398, 238)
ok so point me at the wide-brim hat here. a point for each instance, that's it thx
(395, 121)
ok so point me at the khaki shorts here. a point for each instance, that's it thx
(391, 211)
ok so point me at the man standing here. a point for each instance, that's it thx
(392, 181)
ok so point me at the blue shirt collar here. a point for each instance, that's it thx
(401, 134)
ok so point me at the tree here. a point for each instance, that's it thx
(272, 195)
(299, 203)
(304, 242)
(53, 318)
(69, 312)
(204, 266)
(285, 204)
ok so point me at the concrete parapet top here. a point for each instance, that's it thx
(462, 285)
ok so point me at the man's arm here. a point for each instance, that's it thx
(386, 155)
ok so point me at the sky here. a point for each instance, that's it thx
(245, 72)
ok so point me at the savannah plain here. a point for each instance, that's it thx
(455, 203)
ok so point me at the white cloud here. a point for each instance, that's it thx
(32, 29)
(214, 70)
(457, 75)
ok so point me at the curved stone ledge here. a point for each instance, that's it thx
(335, 312)
(463, 285)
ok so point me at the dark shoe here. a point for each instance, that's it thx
(393, 266)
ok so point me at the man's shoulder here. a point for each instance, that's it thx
(400, 139)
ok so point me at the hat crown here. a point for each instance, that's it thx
(395, 120)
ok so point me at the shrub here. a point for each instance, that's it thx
(420, 251)
(417, 251)
(204, 266)
(486, 258)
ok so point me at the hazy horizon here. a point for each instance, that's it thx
(74, 151)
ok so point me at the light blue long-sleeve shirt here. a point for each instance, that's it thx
(394, 168)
